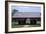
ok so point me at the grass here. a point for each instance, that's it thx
(20, 26)
(14, 25)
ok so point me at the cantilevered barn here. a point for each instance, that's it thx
(26, 18)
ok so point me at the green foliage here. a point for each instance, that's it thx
(14, 11)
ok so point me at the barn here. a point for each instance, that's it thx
(26, 18)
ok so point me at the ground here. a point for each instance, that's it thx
(20, 26)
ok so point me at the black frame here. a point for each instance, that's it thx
(6, 16)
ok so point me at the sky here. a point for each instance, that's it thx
(27, 8)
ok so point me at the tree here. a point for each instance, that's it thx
(14, 11)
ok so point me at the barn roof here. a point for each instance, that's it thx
(26, 15)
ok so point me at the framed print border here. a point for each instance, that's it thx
(6, 16)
